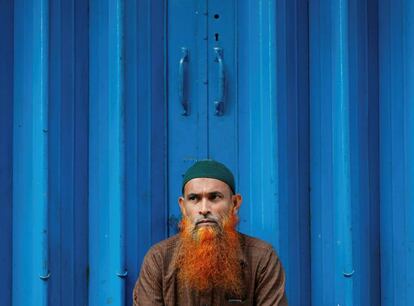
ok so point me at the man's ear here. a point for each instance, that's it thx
(237, 201)
(181, 204)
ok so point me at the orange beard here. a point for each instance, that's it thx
(209, 256)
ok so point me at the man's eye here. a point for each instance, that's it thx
(192, 198)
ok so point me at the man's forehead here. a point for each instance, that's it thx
(202, 185)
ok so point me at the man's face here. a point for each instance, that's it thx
(206, 201)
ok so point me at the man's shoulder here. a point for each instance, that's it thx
(257, 253)
(256, 245)
(164, 247)
(164, 250)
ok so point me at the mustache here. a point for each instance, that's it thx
(216, 223)
(206, 220)
(218, 219)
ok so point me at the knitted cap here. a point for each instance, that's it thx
(209, 168)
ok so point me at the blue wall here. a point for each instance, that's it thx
(317, 127)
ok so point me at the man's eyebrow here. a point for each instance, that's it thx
(208, 193)
(215, 193)
(192, 195)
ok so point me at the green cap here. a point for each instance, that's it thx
(209, 168)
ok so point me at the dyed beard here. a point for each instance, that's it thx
(209, 256)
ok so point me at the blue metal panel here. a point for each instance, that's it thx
(68, 149)
(258, 121)
(6, 148)
(134, 81)
(273, 132)
(341, 154)
(146, 221)
(344, 157)
(107, 154)
(293, 155)
(396, 60)
(30, 143)
(364, 144)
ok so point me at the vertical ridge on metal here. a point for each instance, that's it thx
(30, 148)
(107, 154)
(341, 149)
(117, 181)
(396, 32)
(364, 147)
(330, 184)
(258, 119)
(6, 148)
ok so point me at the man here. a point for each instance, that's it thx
(209, 262)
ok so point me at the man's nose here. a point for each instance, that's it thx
(204, 207)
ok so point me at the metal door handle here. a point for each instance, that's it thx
(181, 80)
(219, 103)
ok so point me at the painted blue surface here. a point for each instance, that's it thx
(107, 154)
(344, 153)
(396, 68)
(146, 129)
(222, 132)
(273, 114)
(68, 153)
(187, 134)
(30, 151)
(6, 148)
(341, 153)
(317, 126)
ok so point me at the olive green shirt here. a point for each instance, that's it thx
(263, 276)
